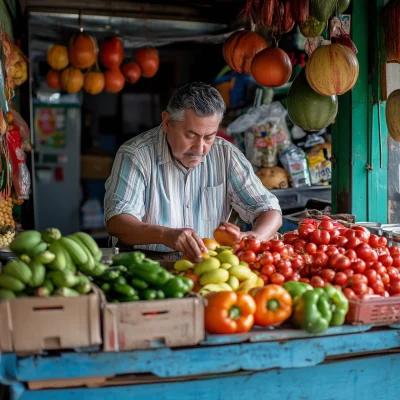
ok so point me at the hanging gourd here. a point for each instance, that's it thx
(322, 10)
(131, 71)
(57, 57)
(72, 79)
(312, 27)
(393, 115)
(112, 52)
(82, 51)
(308, 109)
(148, 60)
(240, 49)
(114, 80)
(343, 5)
(94, 81)
(391, 26)
(332, 69)
(53, 79)
(271, 67)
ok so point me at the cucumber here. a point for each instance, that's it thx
(124, 290)
(76, 252)
(60, 261)
(19, 270)
(83, 287)
(98, 270)
(11, 283)
(40, 248)
(66, 292)
(139, 284)
(70, 264)
(38, 274)
(45, 258)
(105, 287)
(128, 258)
(88, 242)
(64, 279)
(7, 294)
(90, 264)
(25, 242)
(50, 235)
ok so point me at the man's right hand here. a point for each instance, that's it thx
(187, 241)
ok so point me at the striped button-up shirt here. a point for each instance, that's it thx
(148, 183)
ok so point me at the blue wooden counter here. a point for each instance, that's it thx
(343, 363)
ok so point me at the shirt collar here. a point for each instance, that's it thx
(163, 152)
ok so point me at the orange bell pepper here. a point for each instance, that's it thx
(274, 305)
(229, 312)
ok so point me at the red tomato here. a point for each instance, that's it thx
(236, 248)
(359, 278)
(301, 242)
(248, 256)
(351, 254)
(265, 246)
(371, 275)
(255, 266)
(287, 272)
(251, 244)
(342, 231)
(362, 229)
(379, 268)
(393, 273)
(305, 230)
(297, 263)
(340, 278)
(394, 288)
(323, 248)
(327, 274)
(386, 260)
(358, 266)
(276, 257)
(352, 243)
(340, 241)
(385, 279)
(349, 293)
(378, 287)
(334, 235)
(320, 260)
(377, 241)
(341, 250)
(277, 279)
(331, 251)
(317, 281)
(309, 221)
(284, 253)
(365, 252)
(396, 261)
(359, 288)
(311, 248)
(305, 280)
(290, 249)
(290, 237)
(349, 272)
(362, 236)
(268, 270)
(277, 246)
(339, 262)
(326, 225)
(320, 237)
(394, 251)
(266, 259)
(282, 264)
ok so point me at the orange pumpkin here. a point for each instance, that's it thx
(72, 80)
(111, 52)
(114, 80)
(94, 82)
(240, 49)
(332, 69)
(57, 57)
(148, 60)
(393, 115)
(82, 51)
(53, 79)
(271, 67)
(131, 72)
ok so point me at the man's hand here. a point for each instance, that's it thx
(232, 230)
(187, 242)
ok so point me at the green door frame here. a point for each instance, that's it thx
(359, 136)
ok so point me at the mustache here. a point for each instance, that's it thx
(194, 154)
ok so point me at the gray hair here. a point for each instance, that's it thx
(199, 97)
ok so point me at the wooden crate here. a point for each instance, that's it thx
(152, 324)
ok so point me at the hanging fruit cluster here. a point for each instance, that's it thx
(77, 67)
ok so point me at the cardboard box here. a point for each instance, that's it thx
(30, 325)
(95, 166)
(151, 324)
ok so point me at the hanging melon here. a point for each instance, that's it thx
(332, 69)
(308, 109)
(57, 57)
(322, 9)
(393, 115)
(82, 51)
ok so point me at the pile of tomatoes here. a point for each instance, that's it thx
(323, 253)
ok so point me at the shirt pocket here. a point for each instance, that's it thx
(212, 200)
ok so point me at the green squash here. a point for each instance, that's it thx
(322, 9)
(312, 27)
(343, 5)
(308, 109)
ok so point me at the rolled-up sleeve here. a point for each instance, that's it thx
(248, 196)
(125, 188)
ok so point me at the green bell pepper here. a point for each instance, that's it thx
(296, 289)
(176, 287)
(339, 305)
(189, 283)
(313, 311)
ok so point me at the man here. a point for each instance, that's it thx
(175, 184)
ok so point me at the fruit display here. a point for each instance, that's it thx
(49, 264)
(134, 277)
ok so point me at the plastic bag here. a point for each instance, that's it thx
(21, 175)
(319, 165)
(269, 136)
(24, 131)
(294, 161)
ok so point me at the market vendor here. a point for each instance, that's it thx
(175, 184)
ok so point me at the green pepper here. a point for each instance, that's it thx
(189, 283)
(160, 295)
(128, 258)
(139, 283)
(313, 311)
(148, 294)
(150, 273)
(175, 288)
(296, 289)
(105, 287)
(339, 305)
(124, 290)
